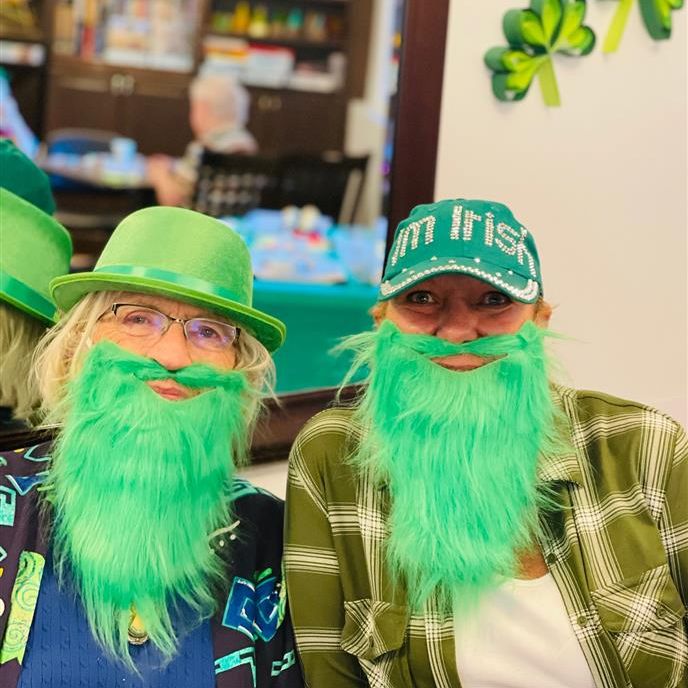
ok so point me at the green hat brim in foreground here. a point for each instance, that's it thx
(69, 289)
(519, 288)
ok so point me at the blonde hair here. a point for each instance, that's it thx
(19, 335)
(59, 356)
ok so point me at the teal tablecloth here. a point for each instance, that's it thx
(317, 316)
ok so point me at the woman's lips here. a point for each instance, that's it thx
(462, 362)
(170, 390)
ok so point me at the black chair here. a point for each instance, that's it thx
(233, 184)
(332, 182)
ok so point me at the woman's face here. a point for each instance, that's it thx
(460, 309)
(172, 349)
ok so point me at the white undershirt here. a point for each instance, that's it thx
(520, 636)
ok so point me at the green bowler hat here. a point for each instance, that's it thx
(34, 248)
(481, 239)
(180, 254)
(22, 177)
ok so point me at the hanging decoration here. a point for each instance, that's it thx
(656, 17)
(535, 35)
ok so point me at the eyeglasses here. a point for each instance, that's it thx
(144, 322)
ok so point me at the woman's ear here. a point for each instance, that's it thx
(543, 312)
(378, 312)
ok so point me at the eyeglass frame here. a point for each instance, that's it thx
(170, 321)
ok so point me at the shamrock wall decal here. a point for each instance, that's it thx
(535, 35)
(656, 17)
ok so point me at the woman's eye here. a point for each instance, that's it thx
(208, 333)
(495, 298)
(137, 318)
(420, 297)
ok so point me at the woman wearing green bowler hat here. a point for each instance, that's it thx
(34, 248)
(149, 562)
(468, 522)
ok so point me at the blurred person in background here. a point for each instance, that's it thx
(469, 522)
(12, 124)
(219, 110)
(133, 555)
(34, 248)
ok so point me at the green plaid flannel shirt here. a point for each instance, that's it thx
(617, 549)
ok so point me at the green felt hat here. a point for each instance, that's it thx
(481, 239)
(34, 248)
(20, 176)
(180, 254)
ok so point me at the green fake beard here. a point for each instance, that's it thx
(458, 452)
(137, 484)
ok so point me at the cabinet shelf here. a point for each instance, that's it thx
(329, 45)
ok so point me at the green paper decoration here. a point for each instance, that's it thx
(656, 17)
(535, 35)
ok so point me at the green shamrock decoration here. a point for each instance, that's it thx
(535, 35)
(656, 16)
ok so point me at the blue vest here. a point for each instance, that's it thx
(62, 653)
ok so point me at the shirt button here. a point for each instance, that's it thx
(551, 559)
(661, 612)
(582, 620)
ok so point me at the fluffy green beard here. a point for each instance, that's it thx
(137, 485)
(458, 452)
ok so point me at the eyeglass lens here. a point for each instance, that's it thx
(139, 321)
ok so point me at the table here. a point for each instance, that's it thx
(317, 317)
(98, 170)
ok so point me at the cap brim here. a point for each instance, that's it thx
(67, 290)
(518, 287)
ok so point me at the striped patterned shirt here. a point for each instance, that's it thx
(617, 549)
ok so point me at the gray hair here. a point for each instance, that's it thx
(228, 98)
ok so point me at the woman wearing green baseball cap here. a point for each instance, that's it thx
(154, 564)
(468, 522)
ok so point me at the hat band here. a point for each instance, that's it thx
(28, 296)
(193, 283)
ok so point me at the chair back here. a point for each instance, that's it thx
(331, 182)
(231, 184)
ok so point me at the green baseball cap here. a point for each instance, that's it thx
(180, 254)
(481, 239)
(22, 177)
(34, 248)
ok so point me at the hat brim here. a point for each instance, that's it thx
(518, 287)
(69, 289)
(21, 306)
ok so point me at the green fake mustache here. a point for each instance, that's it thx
(458, 452)
(137, 484)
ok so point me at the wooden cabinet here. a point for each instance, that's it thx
(149, 106)
(292, 122)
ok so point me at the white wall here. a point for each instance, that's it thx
(601, 182)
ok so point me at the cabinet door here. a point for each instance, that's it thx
(157, 111)
(81, 97)
(296, 122)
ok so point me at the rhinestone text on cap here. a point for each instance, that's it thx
(489, 229)
(529, 292)
(468, 218)
(413, 229)
(456, 222)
